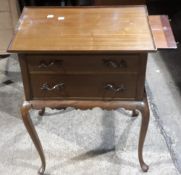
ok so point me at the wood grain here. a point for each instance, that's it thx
(162, 32)
(123, 28)
(87, 87)
(85, 82)
(83, 63)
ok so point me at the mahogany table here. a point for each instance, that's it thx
(86, 57)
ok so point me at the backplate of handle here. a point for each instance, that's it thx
(46, 87)
(115, 63)
(114, 88)
(47, 64)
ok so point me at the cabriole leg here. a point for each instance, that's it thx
(32, 132)
(144, 109)
(135, 113)
(41, 112)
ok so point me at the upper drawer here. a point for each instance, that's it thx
(83, 63)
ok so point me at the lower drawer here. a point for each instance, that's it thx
(105, 86)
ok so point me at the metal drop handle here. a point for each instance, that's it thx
(46, 87)
(114, 88)
(115, 64)
(44, 64)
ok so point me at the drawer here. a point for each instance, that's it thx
(83, 86)
(83, 63)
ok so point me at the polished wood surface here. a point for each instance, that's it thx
(87, 87)
(76, 64)
(123, 28)
(142, 106)
(33, 134)
(83, 76)
(93, 57)
(162, 32)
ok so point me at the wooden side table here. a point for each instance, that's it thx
(83, 58)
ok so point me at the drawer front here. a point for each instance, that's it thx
(102, 87)
(83, 63)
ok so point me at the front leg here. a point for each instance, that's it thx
(144, 109)
(135, 113)
(42, 112)
(32, 132)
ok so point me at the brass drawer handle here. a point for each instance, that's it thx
(115, 64)
(46, 87)
(114, 88)
(44, 64)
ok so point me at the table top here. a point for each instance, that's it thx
(57, 29)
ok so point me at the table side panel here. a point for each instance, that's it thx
(141, 76)
(25, 76)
